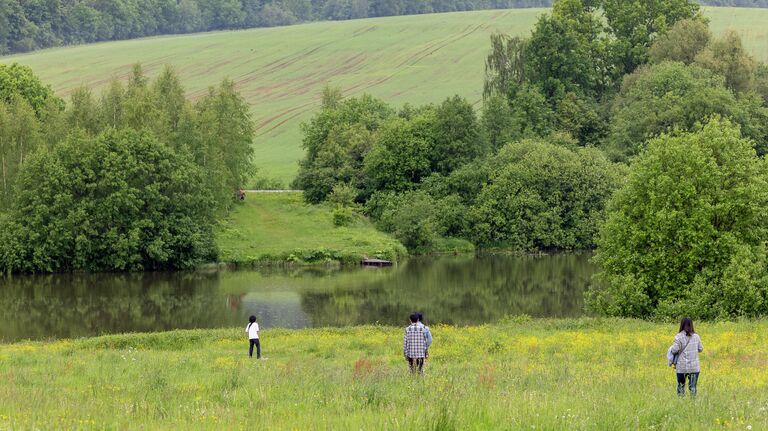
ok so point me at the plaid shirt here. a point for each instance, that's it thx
(415, 341)
(688, 362)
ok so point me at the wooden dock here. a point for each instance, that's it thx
(376, 262)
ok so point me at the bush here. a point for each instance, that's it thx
(686, 234)
(543, 196)
(120, 201)
(343, 216)
(343, 195)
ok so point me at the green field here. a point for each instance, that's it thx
(281, 227)
(530, 374)
(281, 71)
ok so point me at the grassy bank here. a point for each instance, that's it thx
(281, 71)
(539, 374)
(276, 228)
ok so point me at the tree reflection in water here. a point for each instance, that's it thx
(456, 290)
(460, 291)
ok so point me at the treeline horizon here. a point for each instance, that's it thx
(30, 25)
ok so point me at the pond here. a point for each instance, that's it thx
(453, 290)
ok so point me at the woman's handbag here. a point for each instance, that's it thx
(676, 356)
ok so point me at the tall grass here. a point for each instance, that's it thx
(524, 374)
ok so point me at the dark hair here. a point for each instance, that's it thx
(687, 325)
(414, 317)
(420, 316)
(252, 319)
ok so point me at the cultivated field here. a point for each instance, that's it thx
(525, 375)
(416, 59)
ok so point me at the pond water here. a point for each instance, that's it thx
(453, 290)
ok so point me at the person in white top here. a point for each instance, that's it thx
(253, 335)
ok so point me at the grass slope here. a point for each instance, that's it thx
(280, 227)
(540, 374)
(281, 71)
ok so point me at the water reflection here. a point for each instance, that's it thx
(463, 290)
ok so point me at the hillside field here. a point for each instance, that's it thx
(584, 374)
(281, 71)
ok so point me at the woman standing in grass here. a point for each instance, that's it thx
(686, 346)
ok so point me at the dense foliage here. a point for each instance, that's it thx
(673, 95)
(132, 180)
(119, 201)
(544, 196)
(687, 233)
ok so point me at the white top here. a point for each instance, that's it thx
(253, 330)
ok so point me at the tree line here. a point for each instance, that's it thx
(30, 25)
(624, 127)
(132, 179)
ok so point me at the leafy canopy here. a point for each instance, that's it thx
(686, 233)
(120, 201)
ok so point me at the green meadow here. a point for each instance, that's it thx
(281, 71)
(520, 374)
(280, 227)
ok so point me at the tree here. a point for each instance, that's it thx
(497, 122)
(532, 114)
(728, 58)
(761, 81)
(455, 135)
(119, 201)
(561, 60)
(682, 42)
(635, 24)
(400, 157)
(580, 118)
(686, 234)
(230, 128)
(505, 64)
(543, 196)
(16, 79)
(83, 112)
(336, 141)
(673, 96)
(20, 136)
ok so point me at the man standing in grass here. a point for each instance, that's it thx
(427, 332)
(415, 344)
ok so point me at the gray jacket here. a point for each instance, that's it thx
(688, 362)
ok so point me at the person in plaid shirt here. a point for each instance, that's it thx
(687, 345)
(415, 344)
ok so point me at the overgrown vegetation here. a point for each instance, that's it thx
(686, 235)
(355, 378)
(133, 180)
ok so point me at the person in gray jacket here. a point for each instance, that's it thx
(687, 346)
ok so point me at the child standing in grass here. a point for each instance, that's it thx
(415, 345)
(253, 335)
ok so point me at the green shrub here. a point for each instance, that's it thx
(686, 234)
(343, 216)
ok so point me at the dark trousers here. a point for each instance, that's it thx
(693, 378)
(416, 363)
(258, 348)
